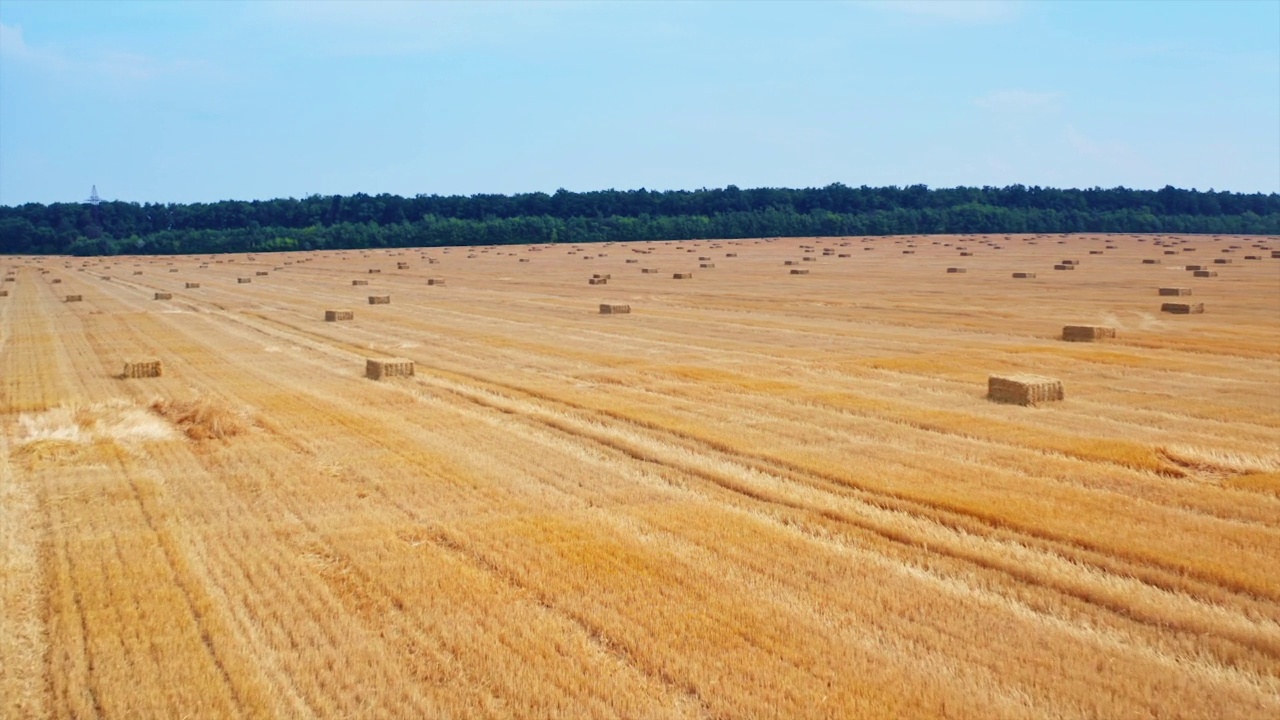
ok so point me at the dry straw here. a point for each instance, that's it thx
(378, 369)
(1023, 389)
(143, 369)
(1087, 333)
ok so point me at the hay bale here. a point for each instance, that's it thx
(336, 315)
(955, 270)
(402, 266)
(137, 272)
(164, 296)
(1175, 291)
(1170, 252)
(798, 271)
(648, 271)
(605, 276)
(963, 254)
(1205, 273)
(790, 262)
(262, 273)
(1151, 261)
(75, 298)
(632, 261)
(809, 259)
(435, 281)
(4, 293)
(55, 281)
(1182, 308)
(374, 271)
(1024, 275)
(143, 369)
(707, 266)
(1064, 267)
(1023, 389)
(731, 254)
(359, 282)
(244, 281)
(378, 369)
(1222, 261)
(681, 276)
(192, 286)
(379, 299)
(597, 281)
(1087, 333)
(1193, 268)
(1275, 254)
(607, 309)
(1095, 252)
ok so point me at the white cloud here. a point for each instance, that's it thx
(956, 11)
(14, 46)
(1018, 101)
(114, 66)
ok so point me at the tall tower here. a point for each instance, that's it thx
(93, 197)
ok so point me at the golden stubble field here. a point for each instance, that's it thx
(759, 494)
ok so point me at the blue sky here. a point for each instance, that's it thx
(205, 101)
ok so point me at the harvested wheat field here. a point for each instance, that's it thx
(755, 495)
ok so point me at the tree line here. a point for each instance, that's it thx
(362, 221)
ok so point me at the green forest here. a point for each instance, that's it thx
(364, 221)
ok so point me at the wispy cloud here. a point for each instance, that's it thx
(1019, 101)
(114, 66)
(970, 12)
(13, 45)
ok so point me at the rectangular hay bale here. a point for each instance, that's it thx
(379, 299)
(335, 315)
(1175, 291)
(1022, 275)
(192, 286)
(164, 296)
(75, 298)
(1087, 333)
(1205, 273)
(1183, 308)
(377, 369)
(143, 369)
(681, 276)
(1024, 389)
(608, 309)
